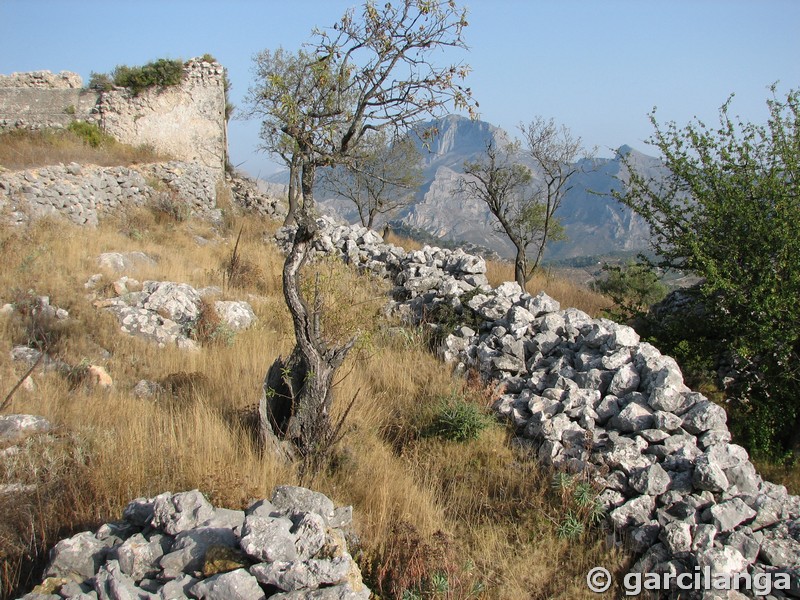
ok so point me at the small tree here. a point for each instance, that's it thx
(380, 178)
(283, 75)
(728, 212)
(523, 200)
(555, 153)
(505, 187)
(363, 75)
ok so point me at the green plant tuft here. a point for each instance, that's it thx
(90, 134)
(458, 420)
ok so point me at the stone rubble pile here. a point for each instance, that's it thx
(420, 274)
(589, 397)
(248, 197)
(176, 546)
(163, 312)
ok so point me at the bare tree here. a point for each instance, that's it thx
(380, 178)
(365, 74)
(555, 153)
(505, 186)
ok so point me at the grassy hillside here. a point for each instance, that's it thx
(435, 517)
(476, 519)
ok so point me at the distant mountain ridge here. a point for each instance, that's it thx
(595, 223)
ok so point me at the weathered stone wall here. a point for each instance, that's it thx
(84, 194)
(42, 79)
(186, 122)
(41, 108)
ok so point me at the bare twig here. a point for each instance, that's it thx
(7, 401)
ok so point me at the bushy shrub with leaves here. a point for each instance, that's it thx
(101, 82)
(90, 134)
(727, 212)
(633, 288)
(159, 73)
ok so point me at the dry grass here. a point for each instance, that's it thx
(781, 474)
(28, 150)
(568, 293)
(405, 243)
(478, 515)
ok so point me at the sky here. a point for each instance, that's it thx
(598, 67)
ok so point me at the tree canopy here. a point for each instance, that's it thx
(729, 211)
(380, 178)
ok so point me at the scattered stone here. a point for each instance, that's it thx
(121, 262)
(15, 428)
(235, 585)
(727, 515)
(174, 513)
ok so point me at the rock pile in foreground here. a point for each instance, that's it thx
(176, 546)
(589, 397)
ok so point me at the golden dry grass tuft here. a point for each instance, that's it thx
(28, 150)
(478, 518)
(567, 292)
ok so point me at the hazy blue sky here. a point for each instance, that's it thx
(597, 66)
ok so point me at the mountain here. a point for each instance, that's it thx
(595, 223)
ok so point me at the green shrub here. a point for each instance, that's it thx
(726, 212)
(160, 73)
(458, 420)
(101, 82)
(633, 287)
(90, 134)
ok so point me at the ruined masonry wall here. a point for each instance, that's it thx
(186, 122)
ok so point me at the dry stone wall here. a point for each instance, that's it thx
(186, 121)
(84, 194)
(588, 397)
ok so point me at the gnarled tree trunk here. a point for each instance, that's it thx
(296, 403)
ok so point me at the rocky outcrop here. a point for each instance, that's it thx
(177, 546)
(587, 396)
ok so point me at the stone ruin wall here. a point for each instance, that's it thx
(186, 122)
